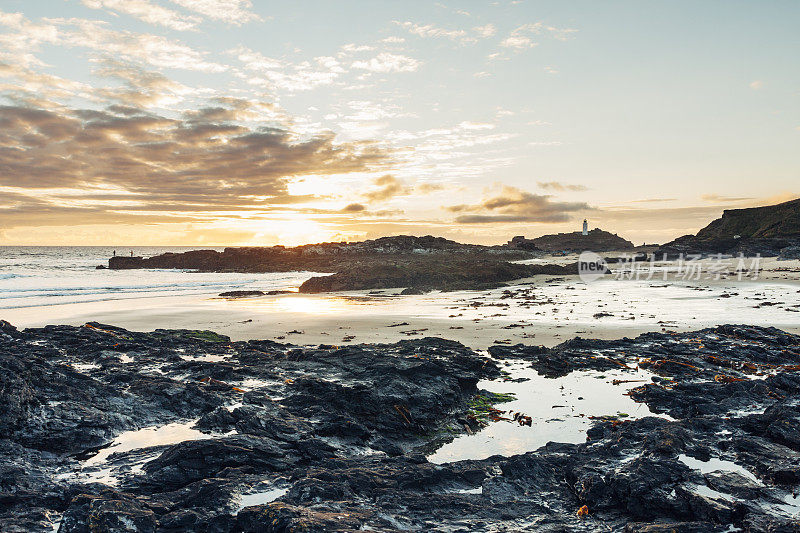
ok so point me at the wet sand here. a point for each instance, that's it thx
(542, 310)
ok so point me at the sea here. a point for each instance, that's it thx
(39, 276)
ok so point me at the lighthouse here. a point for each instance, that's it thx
(585, 227)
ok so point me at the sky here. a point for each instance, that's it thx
(231, 122)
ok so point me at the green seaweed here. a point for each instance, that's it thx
(480, 405)
(206, 335)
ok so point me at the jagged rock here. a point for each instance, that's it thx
(329, 439)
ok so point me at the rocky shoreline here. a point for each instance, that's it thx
(275, 437)
(417, 264)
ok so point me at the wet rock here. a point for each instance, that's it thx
(331, 437)
(282, 517)
(789, 253)
(88, 513)
(676, 527)
(241, 294)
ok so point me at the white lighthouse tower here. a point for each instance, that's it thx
(585, 227)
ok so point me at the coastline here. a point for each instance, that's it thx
(542, 310)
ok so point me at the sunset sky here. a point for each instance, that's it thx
(226, 122)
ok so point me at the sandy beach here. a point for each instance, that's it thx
(541, 310)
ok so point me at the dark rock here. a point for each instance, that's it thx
(788, 253)
(89, 513)
(596, 240)
(331, 439)
(416, 263)
(765, 231)
(241, 294)
(425, 274)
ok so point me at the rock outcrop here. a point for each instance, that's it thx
(431, 273)
(597, 240)
(757, 230)
(414, 263)
(334, 439)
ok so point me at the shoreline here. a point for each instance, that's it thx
(543, 310)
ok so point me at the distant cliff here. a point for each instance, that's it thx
(597, 241)
(757, 230)
(769, 222)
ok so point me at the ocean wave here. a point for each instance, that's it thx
(130, 296)
(65, 291)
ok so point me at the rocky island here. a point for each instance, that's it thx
(105, 429)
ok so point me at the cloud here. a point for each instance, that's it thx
(27, 84)
(388, 187)
(142, 87)
(354, 208)
(429, 188)
(283, 75)
(95, 35)
(386, 62)
(521, 37)
(485, 31)
(514, 205)
(432, 31)
(718, 198)
(756, 85)
(654, 200)
(235, 12)
(558, 186)
(157, 164)
(147, 11)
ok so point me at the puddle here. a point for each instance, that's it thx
(260, 498)
(208, 358)
(256, 383)
(790, 505)
(95, 469)
(150, 436)
(708, 492)
(559, 408)
(84, 367)
(476, 490)
(715, 464)
(791, 502)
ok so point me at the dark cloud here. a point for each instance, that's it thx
(203, 160)
(354, 208)
(18, 210)
(388, 187)
(515, 205)
(558, 186)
